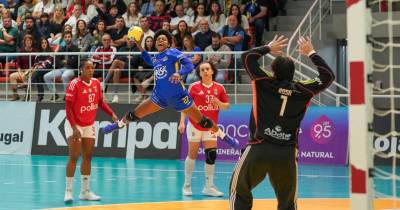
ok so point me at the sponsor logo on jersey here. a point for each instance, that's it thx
(277, 133)
(160, 72)
(165, 58)
(84, 91)
(89, 108)
(208, 107)
(201, 92)
(215, 92)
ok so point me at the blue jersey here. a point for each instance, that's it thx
(164, 65)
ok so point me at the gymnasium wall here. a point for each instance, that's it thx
(38, 129)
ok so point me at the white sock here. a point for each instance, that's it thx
(220, 133)
(189, 167)
(85, 183)
(209, 169)
(68, 183)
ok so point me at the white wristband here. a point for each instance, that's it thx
(312, 52)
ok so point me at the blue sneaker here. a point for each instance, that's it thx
(231, 141)
(112, 127)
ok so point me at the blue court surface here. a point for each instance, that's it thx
(38, 182)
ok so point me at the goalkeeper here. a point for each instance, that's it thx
(278, 109)
(169, 65)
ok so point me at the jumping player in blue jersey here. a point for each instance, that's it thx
(169, 66)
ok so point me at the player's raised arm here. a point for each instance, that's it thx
(187, 67)
(326, 76)
(145, 55)
(250, 57)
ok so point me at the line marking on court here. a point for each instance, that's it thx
(8, 183)
(180, 201)
(164, 170)
(50, 181)
(29, 182)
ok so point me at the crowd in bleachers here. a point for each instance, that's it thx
(102, 26)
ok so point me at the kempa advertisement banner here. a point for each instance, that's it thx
(16, 127)
(154, 137)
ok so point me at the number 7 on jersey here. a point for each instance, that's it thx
(283, 106)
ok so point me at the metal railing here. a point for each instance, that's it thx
(239, 92)
(309, 25)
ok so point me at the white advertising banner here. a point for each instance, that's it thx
(16, 127)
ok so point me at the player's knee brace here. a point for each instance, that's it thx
(211, 155)
(205, 122)
(131, 117)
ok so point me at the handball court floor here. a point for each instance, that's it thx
(38, 182)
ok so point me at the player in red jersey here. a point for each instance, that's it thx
(209, 97)
(83, 97)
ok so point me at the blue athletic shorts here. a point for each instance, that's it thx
(178, 102)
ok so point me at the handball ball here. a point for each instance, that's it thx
(135, 33)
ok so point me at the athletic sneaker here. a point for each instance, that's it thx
(212, 191)
(89, 196)
(68, 197)
(115, 99)
(187, 190)
(233, 142)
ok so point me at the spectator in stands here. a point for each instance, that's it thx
(158, 16)
(187, 8)
(8, 39)
(98, 34)
(145, 25)
(216, 17)
(180, 15)
(166, 26)
(132, 15)
(59, 42)
(24, 63)
(202, 39)
(12, 7)
(144, 76)
(199, 14)
(118, 35)
(256, 12)
(102, 62)
(101, 15)
(91, 11)
(44, 25)
(189, 46)
(70, 8)
(221, 61)
(30, 28)
(77, 15)
(170, 8)
(232, 34)
(182, 31)
(123, 66)
(120, 4)
(26, 6)
(242, 19)
(83, 38)
(111, 17)
(66, 65)
(5, 13)
(148, 7)
(42, 65)
(57, 23)
(44, 6)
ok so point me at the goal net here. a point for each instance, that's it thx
(374, 111)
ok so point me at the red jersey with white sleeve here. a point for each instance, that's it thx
(203, 95)
(82, 101)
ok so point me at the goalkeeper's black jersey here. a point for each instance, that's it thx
(279, 106)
